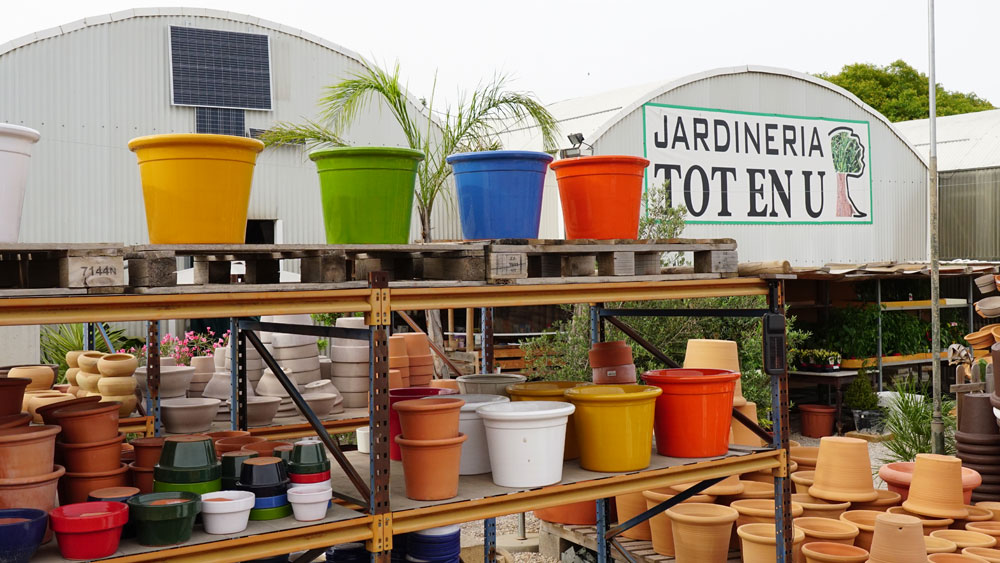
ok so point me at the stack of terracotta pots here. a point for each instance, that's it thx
(28, 475)
(71, 371)
(431, 446)
(978, 443)
(399, 360)
(90, 447)
(420, 360)
(725, 355)
(116, 383)
(349, 367)
(88, 374)
(147, 455)
(612, 362)
(188, 463)
(204, 367)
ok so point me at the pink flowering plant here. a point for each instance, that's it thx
(182, 349)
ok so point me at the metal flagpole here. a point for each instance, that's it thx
(937, 426)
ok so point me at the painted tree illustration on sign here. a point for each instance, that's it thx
(849, 161)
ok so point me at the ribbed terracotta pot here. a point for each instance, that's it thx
(147, 451)
(730, 486)
(812, 506)
(899, 475)
(430, 467)
(83, 423)
(631, 505)
(47, 410)
(715, 354)
(38, 401)
(885, 500)
(743, 436)
(988, 527)
(74, 487)
(829, 552)
(965, 538)
(865, 521)
(757, 511)
(38, 491)
(929, 523)
(991, 555)
(992, 506)
(701, 531)
(431, 418)
(223, 445)
(758, 543)
(805, 456)
(827, 530)
(897, 539)
(843, 471)
(41, 376)
(803, 480)
(93, 457)
(976, 514)
(26, 452)
(11, 394)
(660, 526)
(953, 558)
(117, 365)
(936, 489)
(939, 545)
(15, 420)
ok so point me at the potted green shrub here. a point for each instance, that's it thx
(861, 398)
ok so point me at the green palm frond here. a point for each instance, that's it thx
(311, 134)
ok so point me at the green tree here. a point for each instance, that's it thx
(899, 92)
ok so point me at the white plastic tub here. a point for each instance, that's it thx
(475, 452)
(15, 155)
(310, 503)
(227, 516)
(525, 440)
(488, 383)
(364, 442)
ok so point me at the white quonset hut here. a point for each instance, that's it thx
(791, 166)
(91, 85)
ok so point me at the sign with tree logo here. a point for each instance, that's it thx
(755, 168)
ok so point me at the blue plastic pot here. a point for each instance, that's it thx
(436, 545)
(500, 192)
(19, 540)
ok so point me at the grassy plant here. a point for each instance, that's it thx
(56, 340)
(908, 418)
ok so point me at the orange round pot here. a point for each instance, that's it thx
(660, 526)
(147, 451)
(630, 505)
(827, 530)
(929, 523)
(843, 471)
(607, 354)
(936, 488)
(865, 521)
(38, 401)
(976, 514)
(12, 394)
(34, 395)
(600, 195)
(576, 513)
(41, 376)
(27, 451)
(758, 543)
(988, 527)
(47, 410)
(142, 477)
(223, 434)
(992, 506)
(263, 448)
(817, 420)
(117, 365)
(38, 491)
(965, 538)
(988, 554)
(83, 423)
(805, 456)
(953, 558)
(236, 443)
(939, 545)
(94, 457)
(886, 499)
(760, 510)
(701, 531)
(898, 476)
(897, 539)
(74, 487)
(430, 467)
(812, 506)
(830, 552)
(433, 418)
(803, 480)
(15, 420)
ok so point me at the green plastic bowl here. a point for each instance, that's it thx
(164, 524)
(275, 513)
(196, 488)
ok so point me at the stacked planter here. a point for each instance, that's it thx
(296, 353)
(187, 464)
(220, 386)
(349, 367)
(611, 362)
(116, 382)
(269, 386)
(147, 455)
(310, 491)
(430, 446)
(420, 360)
(267, 478)
(90, 447)
(87, 376)
(475, 451)
(399, 360)
(978, 443)
(204, 367)
(174, 380)
(254, 364)
(28, 476)
(71, 370)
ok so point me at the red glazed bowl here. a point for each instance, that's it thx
(88, 530)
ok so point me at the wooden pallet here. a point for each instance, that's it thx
(81, 268)
(554, 539)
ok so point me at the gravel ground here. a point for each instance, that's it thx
(472, 534)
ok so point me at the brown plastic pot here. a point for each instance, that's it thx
(975, 414)
(142, 477)
(607, 354)
(147, 451)
(430, 467)
(38, 491)
(92, 457)
(82, 423)
(433, 418)
(977, 449)
(27, 451)
(15, 420)
(817, 420)
(12, 394)
(660, 526)
(74, 487)
(701, 531)
(47, 410)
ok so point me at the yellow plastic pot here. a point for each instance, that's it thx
(196, 187)
(614, 425)
(550, 391)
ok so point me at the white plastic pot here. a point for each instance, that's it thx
(228, 516)
(363, 434)
(15, 156)
(488, 383)
(475, 452)
(525, 441)
(310, 503)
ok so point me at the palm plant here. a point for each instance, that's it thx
(473, 125)
(56, 340)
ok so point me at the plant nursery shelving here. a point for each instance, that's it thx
(382, 509)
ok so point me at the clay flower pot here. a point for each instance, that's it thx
(34, 395)
(827, 530)
(630, 505)
(41, 376)
(45, 411)
(865, 521)
(607, 354)
(936, 489)
(741, 434)
(805, 456)
(87, 422)
(897, 477)
(988, 527)
(730, 486)
(976, 514)
(429, 418)
(142, 477)
(897, 539)
(953, 558)
(701, 531)
(984, 553)
(92, 457)
(15, 420)
(223, 445)
(12, 394)
(752, 489)
(885, 500)
(829, 552)
(812, 506)
(26, 452)
(992, 506)
(715, 354)
(164, 518)
(264, 448)
(38, 491)
(21, 532)
(965, 538)
(38, 401)
(758, 542)
(754, 511)
(939, 545)
(430, 467)
(803, 480)
(147, 451)
(929, 523)
(575, 513)
(74, 487)
(403, 394)
(660, 527)
(843, 471)
(182, 415)
(117, 365)
(89, 530)
(223, 434)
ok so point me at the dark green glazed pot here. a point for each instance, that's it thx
(196, 488)
(187, 459)
(164, 524)
(283, 511)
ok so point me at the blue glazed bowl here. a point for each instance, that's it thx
(19, 540)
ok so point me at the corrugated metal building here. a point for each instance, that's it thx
(772, 215)
(91, 85)
(968, 148)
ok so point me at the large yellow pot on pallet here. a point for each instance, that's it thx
(196, 187)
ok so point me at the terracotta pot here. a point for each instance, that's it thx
(264, 448)
(953, 558)
(35, 394)
(977, 449)
(751, 490)
(742, 435)
(817, 420)
(730, 486)
(701, 531)
(936, 489)
(430, 467)
(630, 505)
(976, 514)
(237, 443)
(829, 552)
(827, 530)
(26, 452)
(812, 506)
(805, 456)
(992, 506)
(576, 513)
(897, 539)
(397, 345)
(117, 365)
(142, 477)
(41, 376)
(716, 354)
(223, 434)
(37, 401)
(38, 491)
(988, 527)
(966, 538)
(74, 487)
(84, 422)
(94, 457)
(111, 386)
(126, 403)
(46, 410)
(929, 524)
(843, 471)
(607, 354)
(767, 475)
(147, 451)
(416, 344)
(885, 500)
(660, 527)
(939, 545)
(755, 511)
(15, 420)
(985, 553)
(87, 361)
(758, 543)
(71, 358)
(865, 521)
(431, 418)
(802, 480)
(12, 394)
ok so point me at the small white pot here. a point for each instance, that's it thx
(526, 440)
(228, 516)
(219, 355)
(363, 434)
(182, 415)
(350, 384)
(15, 156)
(322, 386)
(475, 451)
(281, 340)
(351, 322)
(310, 503)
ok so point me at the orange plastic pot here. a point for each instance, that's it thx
(702, 395)
(430, 467)
(577, 513)
(600, 195)
(817, 420)
(429, 419)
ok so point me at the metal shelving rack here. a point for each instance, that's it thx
(375, 517)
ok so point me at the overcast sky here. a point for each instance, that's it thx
(566, 49)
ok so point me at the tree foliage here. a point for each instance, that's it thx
(899, 92)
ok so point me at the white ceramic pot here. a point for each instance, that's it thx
(302, 378)
(475, 452)
(15, 156)
(349, 354)
(301, 485)
(203, 364)
(270, 386)
(351, 384)
(320, 403)
(261, 410)
(488, 383)
(322, 386)
(363, 434)
(351, 322)
(226, 512)
(355, 369)
(167, 361)
(251, 364)
(297, 352)
(220, 386)
(281, 340)
(355, 400)
(187, 416)
(525, 441)
(219, 355)
(310, 503)
(325, 367)
(174, 380)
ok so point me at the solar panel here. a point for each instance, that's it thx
(220, 121)
(221, 69)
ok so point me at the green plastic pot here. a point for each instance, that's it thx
(367, 193)
(308, 456)
(197, 488)
(283, 511)
(165, 524)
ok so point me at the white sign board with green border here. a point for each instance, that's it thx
(737, 167)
